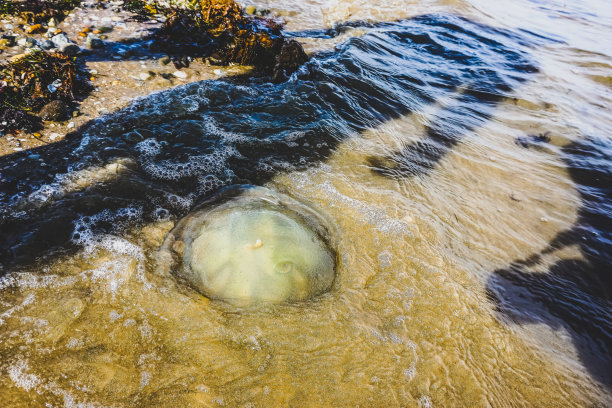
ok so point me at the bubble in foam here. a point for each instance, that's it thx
(252, 245)
(19, 374)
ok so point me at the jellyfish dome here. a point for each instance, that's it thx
(255, 246)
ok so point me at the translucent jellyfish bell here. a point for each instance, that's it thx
(258, 246)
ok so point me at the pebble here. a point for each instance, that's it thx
(180, 74)
(164, 60)
(47, 45)
(70, 49)
(144, 76)
(26, 42)
(52, 22)
(71, 125)
(60, 39)
(93, 42)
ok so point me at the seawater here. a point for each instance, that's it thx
(461, 150)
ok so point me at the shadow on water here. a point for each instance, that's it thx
(174, 148)
(575, 294)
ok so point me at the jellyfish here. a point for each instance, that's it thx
(258, 247)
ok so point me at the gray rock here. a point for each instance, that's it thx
(60, 40)
(93, 42)
(70, 49)
(55, 111)
(26, 42)
(180, 74)
(47, 45)
(145, 76)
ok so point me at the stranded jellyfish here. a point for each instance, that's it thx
(253, 245)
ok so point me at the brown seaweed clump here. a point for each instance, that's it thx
(37, 11)
(219, 29)
(33, 80)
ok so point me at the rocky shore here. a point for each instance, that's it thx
(115, 46)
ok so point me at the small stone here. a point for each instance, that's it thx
(52, 22)
(71, 125)
(250, 10)
(165, 60)
(291, 57)
(180, 74)
(70, 49)
(60, 39)
(93, 42)
(116, 19)
(144, 76)
(26, 42)
(47, 45)
(55, 111)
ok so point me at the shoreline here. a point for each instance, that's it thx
(120, 69)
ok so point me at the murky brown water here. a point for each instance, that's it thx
(409, 321)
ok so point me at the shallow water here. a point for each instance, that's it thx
(462, 158)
